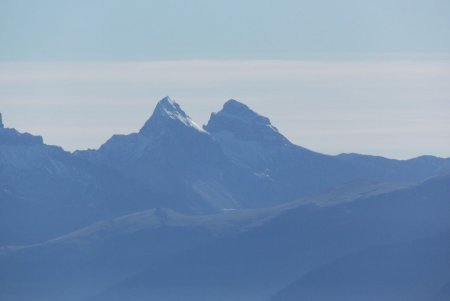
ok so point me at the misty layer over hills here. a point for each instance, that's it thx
(228, 211)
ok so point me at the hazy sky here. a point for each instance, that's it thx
(333, 76)
(168, 29)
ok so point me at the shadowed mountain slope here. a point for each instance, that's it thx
(414, 271)
(257, 263)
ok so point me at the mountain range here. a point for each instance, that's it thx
(231, 210)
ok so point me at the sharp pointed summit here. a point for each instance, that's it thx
(168, 113)
(168, 107)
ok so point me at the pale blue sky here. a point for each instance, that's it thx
(334, 76)
(168, 29)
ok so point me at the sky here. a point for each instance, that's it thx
(334, 76)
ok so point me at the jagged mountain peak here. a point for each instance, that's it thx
(235, 111)
(238, 110)
(167, 112)
(10, 136)
(238, 119)
(168, 105)
(235, 105)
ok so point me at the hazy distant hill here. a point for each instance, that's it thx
(415, 270)
(255, 264)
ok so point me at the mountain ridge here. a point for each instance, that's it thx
(172, 164)
(175, 211)
(237, 160)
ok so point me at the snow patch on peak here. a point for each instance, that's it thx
(168, 104)
(168, 108)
